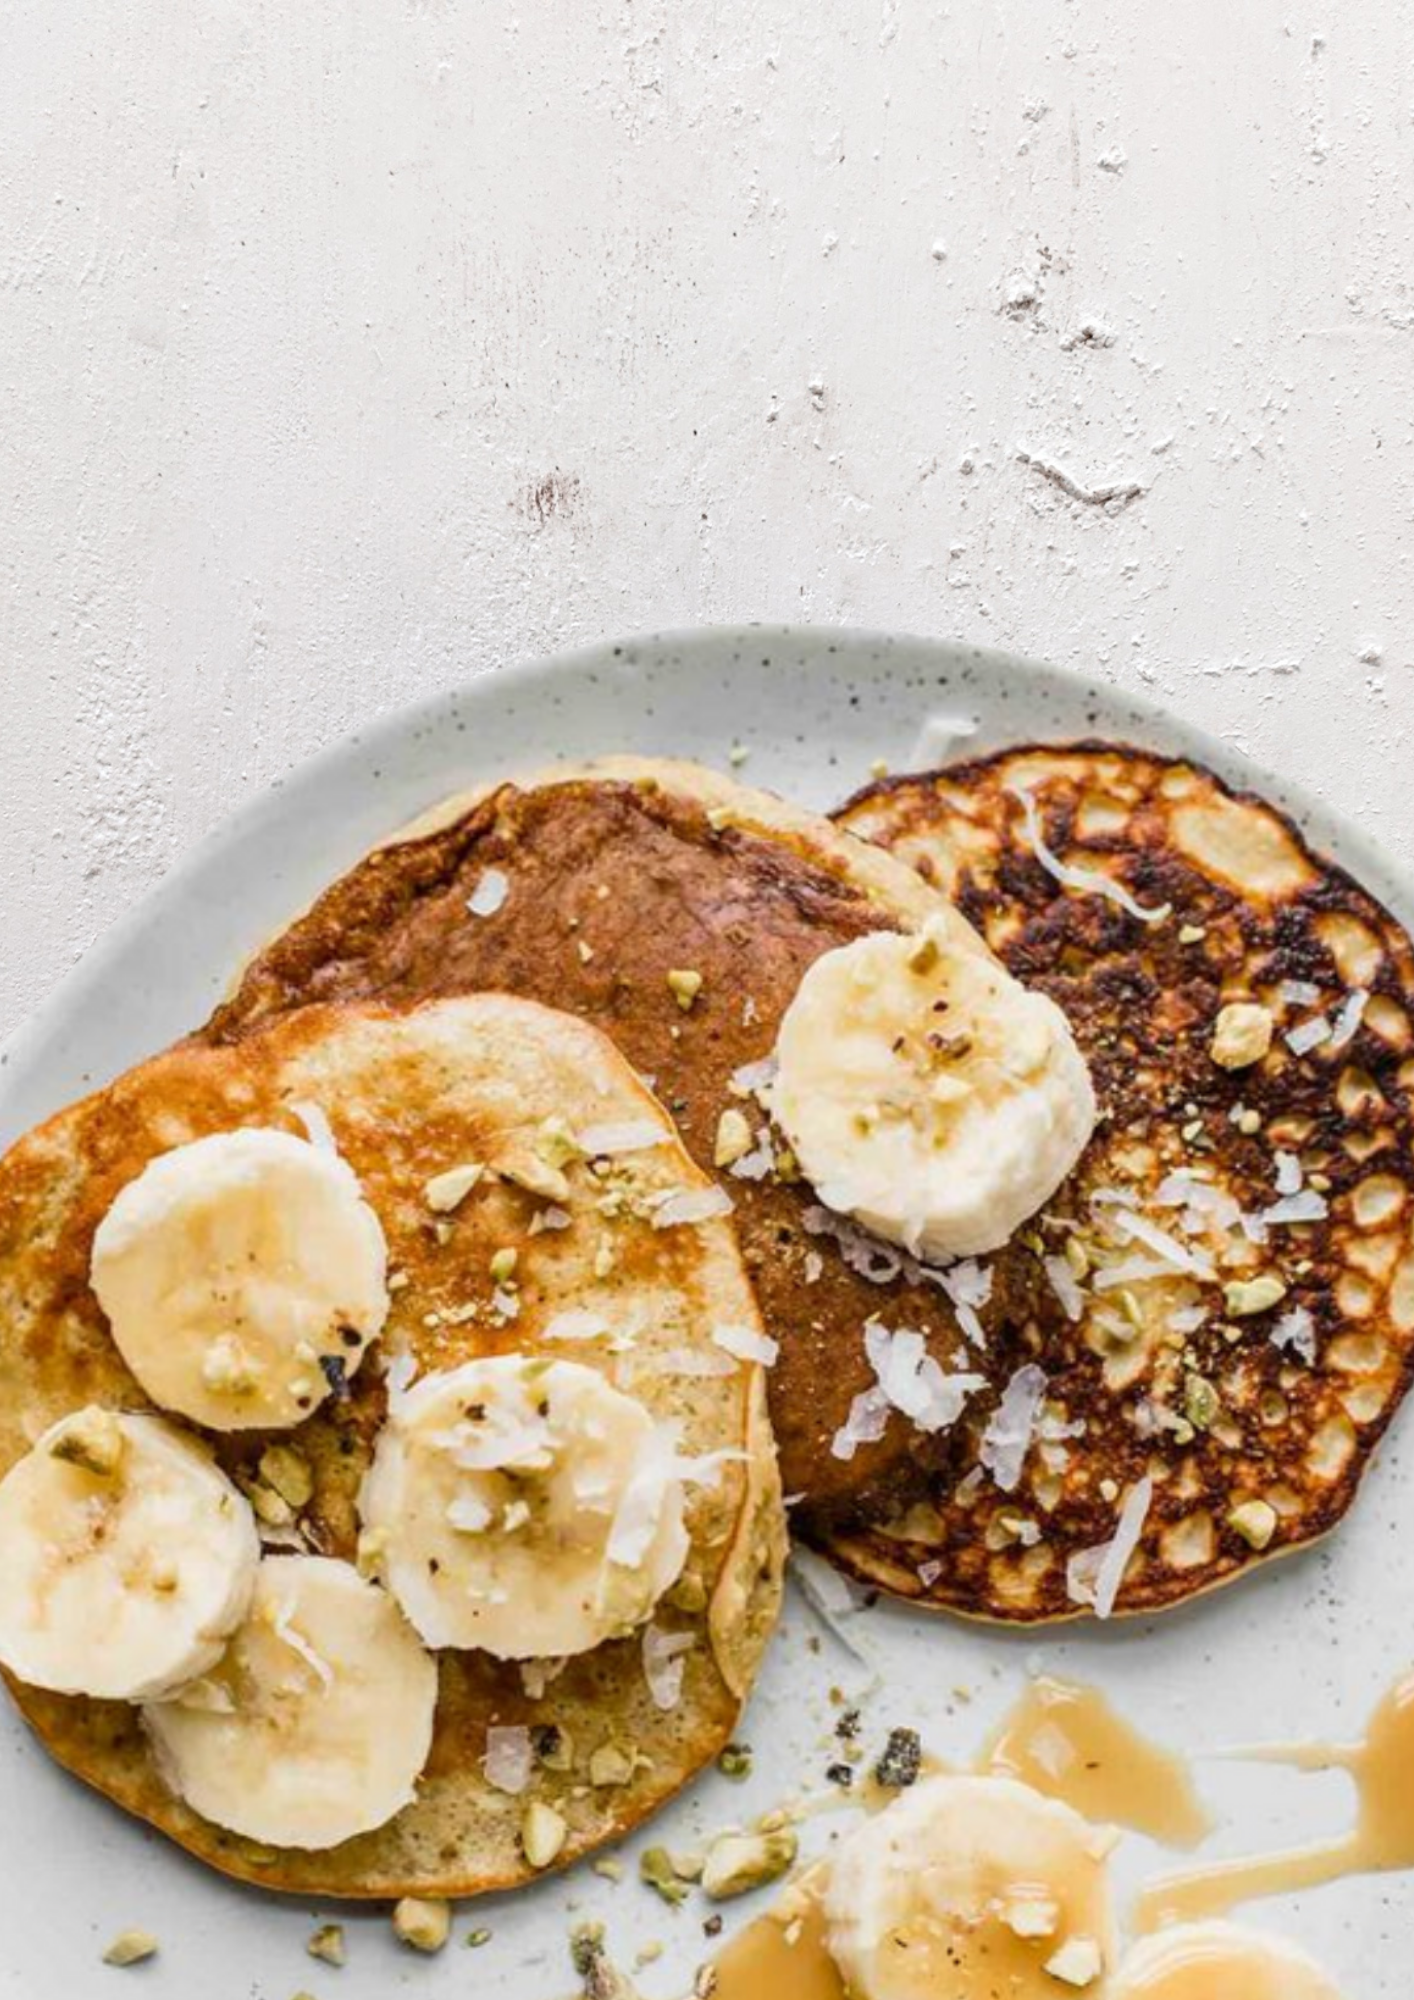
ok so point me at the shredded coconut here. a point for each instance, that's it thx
(1066, 1287)
(509, 1758)
(1308, 1206)
(489, 894)
(755, 1165)
(1351, 1014)
(1094, 1576)
(1141, 1230)
(866, 1423)
(621, 1135)
(747, 1344)
(576, 1323)
(754, 1076)
(663, 1664)
(639, 1513)
(1298, 993)
(688, 1205)
(911, 1379)
(1089, 881)
(1309, 1035)
(1007, 1438)
(469, 1514)
(1288, 1175)
(1296, 1330)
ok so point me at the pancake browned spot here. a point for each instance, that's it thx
(597, 887)
(408, 1094)
(1252, 1411)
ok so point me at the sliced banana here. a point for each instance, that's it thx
(243, 1276)
(126, 1558)
(524, 1507)
(971, 1885)
(1220, 1961)
(317, 1722)
(927, 1093)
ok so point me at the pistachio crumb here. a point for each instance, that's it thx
(327, 1943)
(1245, 1296)
(1192, 934)
(1242, 1034)
(543, 1832)
(735, 1761)
(684, 983)
(900, 1760)
(1079, 1962)
(655, 1870)
(478, 1937)
(737, 1862)
(1255, 1521)
(422, 1922)
(130, 1948)
(503, 1264)
(447, 1191)
(288, 1472)
(733, 1138)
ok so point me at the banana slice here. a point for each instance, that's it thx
(317, 1722)
(243, 1276)
(126, 1558)
(927, 1093)
(971, 1885)
(524, 1507)
(1220, 1961)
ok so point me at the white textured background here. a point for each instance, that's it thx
(352, 347)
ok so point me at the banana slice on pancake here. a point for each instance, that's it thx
(928, 1093)
(971, 1884)
(243, 1276)
(317, 1722)
(129, 1558)
(530, 1509)
(1220, 1961)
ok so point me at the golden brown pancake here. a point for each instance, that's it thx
(409, 1093)
(614, 878)
(1252, 1413)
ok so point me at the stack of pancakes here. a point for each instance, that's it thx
(1186, 1425)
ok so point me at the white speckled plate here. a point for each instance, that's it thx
(1305, 1648)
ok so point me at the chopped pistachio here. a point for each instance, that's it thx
(288, 1472)
(585, 950)
(269, 1507)
(1077, 1257)
(327, 1943)
(1245, 1296)
(648, 1954)
(422, 1922)
(1032, 1916)
(1242, 1034)
(655, 1868)
(900, 1760)
(478, 1937)
(787, 1166)
(733, 1138)
(609, 1866)
(554, 1747)
(1192, 934)
(447, 1191)
(737, 1862)
(93, 1440)
(543, 1832)
(611, 1764)
(735, 1761)
(503, 1264)
(1249, 1121)
(1255, 1521)
(535, 1174)
(879, 768)
(1200, 1401)
(718, 817)
(688, 1594)
(1079, 1962)
(738, 755)
(684, 983)
(924, 955)
(130, 1948)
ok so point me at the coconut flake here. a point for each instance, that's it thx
(830, 1596)
(936, 737)
(1007, 1438)
(621, 1135)
(575, 1323)
(1309, 1035)
(1298, 993)
(663, 1664)
(639, 1514)
(1140, 1230)
(747, 1344)
(1308, 1206)
(509, 1758)
(1094, 1576)
(755, 1165)
(754, 1076)
(1296, 1330)
(690, 1205)
(469, 1514)
(1066, 1287)
(866, 1423)
(968, 1285)
(1187, 1319)
(879, 1262)
(1351, 1014)
(1089, 881)
(489, 894)
(316, 1124)
(549, 1218)
(911, 1379)
(1289, 1176)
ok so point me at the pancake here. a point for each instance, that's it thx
(597, 885)
(410, 1093)
(1251, 1414)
